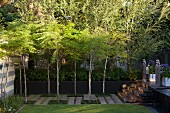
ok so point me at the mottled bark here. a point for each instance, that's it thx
(25, 79)
(58, 94)
(20, 76)
(104, 75)
(90, 73)
(75, 77)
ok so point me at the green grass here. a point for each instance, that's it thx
(88, 108)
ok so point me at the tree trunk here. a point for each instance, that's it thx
(2, 79)
(57, 77)
(3, 87)
(75, 86)
(48, 73)
(6, 78)
(104, 75)
(20, 77)
(25, 79)
(90, 72)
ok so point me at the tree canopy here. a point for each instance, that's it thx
(133, 29)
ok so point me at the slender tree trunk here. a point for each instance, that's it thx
(25, 79)
(20, 70)
(2, 82)
(75, 76)
(3, 87)
(104, 75)
(90, 72)
(58, 95)
(6, 78)
(48, 72)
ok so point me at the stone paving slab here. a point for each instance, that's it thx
(30, 97)
(47, 101)
(63, 97)
(116, 99)
(40, 101)
(35, 98)
(109, 100)
(86, 97)
(92, 97)
(78, 100)
(102, 100)
(71, 100)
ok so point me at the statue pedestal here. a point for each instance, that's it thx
(152, 77)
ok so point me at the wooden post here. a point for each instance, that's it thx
(144, 70)
(157, 72)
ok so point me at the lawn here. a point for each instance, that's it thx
(88, 108)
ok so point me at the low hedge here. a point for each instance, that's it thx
(82, 75)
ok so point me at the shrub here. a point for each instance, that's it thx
(82, 75)
(116, 74)
(134, 74)
(11, 103)
(97, 75)
(68, 74)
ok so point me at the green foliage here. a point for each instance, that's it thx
(134, 74)
(162, 28)
(12, 104)
(49, 35)
(18, 38)
(8, 13)
(152, 69)
(166, 73)
(97, 75)
(67, 74)
(141, 26)
(82, 75)
(88, 28)
(36, 75)
(116, 74)
(72, 41)
(36, 10)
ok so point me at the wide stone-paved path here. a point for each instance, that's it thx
(103, 99)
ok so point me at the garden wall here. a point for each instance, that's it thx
(67, 87)
(10, 80)
(162, 100)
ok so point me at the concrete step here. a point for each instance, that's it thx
(125, 98)
(102, 100)
(35, 98)
(47, 101)
(92, 97)
(38, 102)
(109, 100)
(116, 99)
